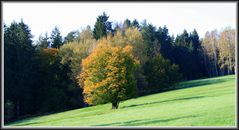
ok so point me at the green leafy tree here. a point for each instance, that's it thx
(71, 36)
(161, 73)
(43, 42)
(131, 36)
(71, 55)
(108, 75)
(53, 82)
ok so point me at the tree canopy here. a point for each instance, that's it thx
(102, 26)
(108, 75)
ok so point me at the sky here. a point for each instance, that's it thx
(42, 17)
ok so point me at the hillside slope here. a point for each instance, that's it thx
(206, 102)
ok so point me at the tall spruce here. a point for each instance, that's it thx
(19, 69)
(56, 38)
(149, 38)
(102, 26)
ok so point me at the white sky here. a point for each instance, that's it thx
(67, 16)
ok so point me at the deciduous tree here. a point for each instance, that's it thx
(226, 48)
(43, 42)
(210, 52)
(71, 36)
(161, 73)
(108, 75)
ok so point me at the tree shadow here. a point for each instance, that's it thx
(156, 102)
(145, 122)
(187, 84)
(197, 83)
(25, 124)
(116, 123)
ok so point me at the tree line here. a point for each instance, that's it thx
(105, 64)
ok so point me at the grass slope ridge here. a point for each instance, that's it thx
(206, 102)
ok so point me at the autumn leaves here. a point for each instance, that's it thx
(108, 75)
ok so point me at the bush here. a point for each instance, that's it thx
(161, 73)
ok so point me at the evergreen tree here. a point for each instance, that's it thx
(149, 38)
(182, 54)
(164, 42)
(135, 23)
(102, 26)
(53, 81)
(188, 54)
(126, 24)
(56, 38)
(43, 42)
(198, 68)
(19, 65)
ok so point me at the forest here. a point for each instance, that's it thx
(110, 62)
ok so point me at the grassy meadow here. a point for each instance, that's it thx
(204, 102)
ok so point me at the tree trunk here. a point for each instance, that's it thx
(230, 63)
(228, 66)
(215, 58)
(234, 71)
(206, 65)
(115, 105)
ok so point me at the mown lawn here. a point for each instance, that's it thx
(206, 102)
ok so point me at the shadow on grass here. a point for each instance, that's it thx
(145, 122)
(25, 124)
(171, 100)
(187, 84)
(202, 82)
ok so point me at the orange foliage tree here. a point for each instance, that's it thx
(108, 75)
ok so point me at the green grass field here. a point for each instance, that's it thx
(205, 102)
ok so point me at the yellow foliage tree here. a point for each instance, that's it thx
(130, 36)
(108, 75)
(72, 53)
(49, 55)
(226, 47)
